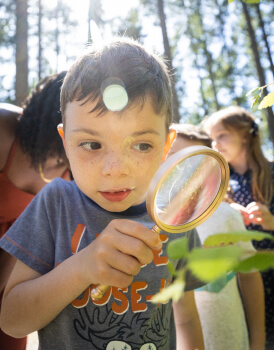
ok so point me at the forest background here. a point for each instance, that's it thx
(218, 50)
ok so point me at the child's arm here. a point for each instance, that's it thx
(188, 327)
(252, 291)
(31, 301)
(7, 263)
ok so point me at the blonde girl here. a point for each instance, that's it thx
(235, 134)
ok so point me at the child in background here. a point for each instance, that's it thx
(95, 229)
(31, 153)
(227, 321)
(235, 134)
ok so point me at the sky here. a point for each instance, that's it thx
(77, 41)
(111, 9)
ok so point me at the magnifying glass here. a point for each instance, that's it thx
(187, 188)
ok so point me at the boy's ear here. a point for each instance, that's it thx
(60, 129)
(169, 141)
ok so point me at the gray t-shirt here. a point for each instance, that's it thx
(59, 222)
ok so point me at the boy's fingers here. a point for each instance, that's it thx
(124, 250)
(125, 263)
(137, 230)
(122, 247)
(115, 277)
(136, 248)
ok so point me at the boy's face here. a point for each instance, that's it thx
(113, 157)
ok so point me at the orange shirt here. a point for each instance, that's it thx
(13, 201)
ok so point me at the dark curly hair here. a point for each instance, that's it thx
(37, 127)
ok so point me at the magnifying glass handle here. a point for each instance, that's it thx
(98, 292)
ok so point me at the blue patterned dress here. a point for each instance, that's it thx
(241, 186)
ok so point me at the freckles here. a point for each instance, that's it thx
(137, 164)
(148, 167)
(140, 169)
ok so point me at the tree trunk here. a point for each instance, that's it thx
(39, 40)
(94, 14)
(57, 34)
(21, 40)
(208, 59)
(260, 71)
(211, 74)
(89, 19)
(205, 107)
(160, 4)
(265, 38)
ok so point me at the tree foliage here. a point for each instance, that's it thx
(219, 49)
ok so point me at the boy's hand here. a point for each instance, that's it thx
(117, 254)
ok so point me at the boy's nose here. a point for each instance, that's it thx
(115, 165)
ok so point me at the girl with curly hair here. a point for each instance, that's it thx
(31, 154)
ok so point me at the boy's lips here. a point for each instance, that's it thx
(116, 195)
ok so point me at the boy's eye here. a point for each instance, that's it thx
(91, 145)
(142, 147)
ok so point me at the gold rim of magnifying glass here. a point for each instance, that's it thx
(161, 175)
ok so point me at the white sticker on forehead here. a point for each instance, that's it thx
(115, 97)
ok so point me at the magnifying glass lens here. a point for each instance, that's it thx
(188, 190)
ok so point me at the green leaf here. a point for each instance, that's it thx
(233, 237)
(252, 91)
(178, 248)
(252, 1)
(267, 101)
(256, 101)
(260, 261)
(229, 1)
(174, 291)
(256, 93)
(210, 264)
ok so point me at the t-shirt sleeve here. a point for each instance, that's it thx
(30, 238)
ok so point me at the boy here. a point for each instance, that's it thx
(95, 230)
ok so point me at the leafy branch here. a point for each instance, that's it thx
(256, 94)
(218, 257)
(247, 1)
